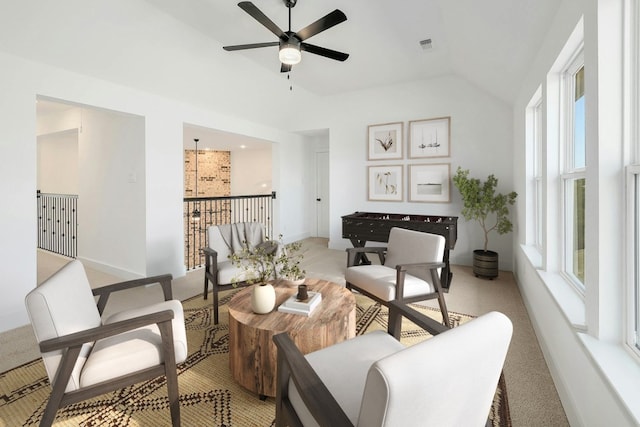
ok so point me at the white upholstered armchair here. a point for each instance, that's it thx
(223, 241)
(373, 380)
(409, 269)
(85, 355)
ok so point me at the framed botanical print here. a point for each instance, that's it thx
(430, 138)
(430, 183)
(385, 183)
(384, 141)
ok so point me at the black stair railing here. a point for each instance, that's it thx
(58, 223)
(202, 212)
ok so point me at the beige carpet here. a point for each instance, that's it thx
(208, 394)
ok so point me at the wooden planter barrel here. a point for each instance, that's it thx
(485, 263)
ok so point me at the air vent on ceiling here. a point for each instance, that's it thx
(426, 44)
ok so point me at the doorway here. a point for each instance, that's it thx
(322, 194)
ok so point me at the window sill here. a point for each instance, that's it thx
(568, 300)
(619, 368)
(533, 255)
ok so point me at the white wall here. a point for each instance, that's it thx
(251, 172)
(481, 140)
(58, 163)
(578, 371)
(111, 198)
(18, 184)
(292, 166)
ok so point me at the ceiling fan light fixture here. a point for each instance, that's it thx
(290, 54)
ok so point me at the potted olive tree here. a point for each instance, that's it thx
(481, 203)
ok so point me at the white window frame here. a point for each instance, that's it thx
(570, 174)
(633, 294)
(538, 193)
(632, 117)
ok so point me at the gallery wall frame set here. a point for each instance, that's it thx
(427, 182)
(427, 138)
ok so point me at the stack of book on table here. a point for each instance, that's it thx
(304, 307)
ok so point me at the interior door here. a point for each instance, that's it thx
(322, 194)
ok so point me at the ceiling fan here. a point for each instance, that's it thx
(292, 43)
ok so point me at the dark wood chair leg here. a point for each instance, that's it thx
(170, 369)
(443, 309)
(443, 306)
(206, 286)
(282, 390)
(394, 325)
(59, 385)
(215, 302)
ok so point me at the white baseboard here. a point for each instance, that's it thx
(110, 269)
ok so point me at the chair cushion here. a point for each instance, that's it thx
(62, 305)
(380, 281)
(229, 273)
(350, 359)
(410, 246)
(217, 243)
(447, 380)
(134, 350)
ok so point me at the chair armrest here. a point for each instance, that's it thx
(427, 265)
(210, 261)
(104, 331)
(105, 291)
(210, 252)
(352, 253)
(398, 309)
(315, 395)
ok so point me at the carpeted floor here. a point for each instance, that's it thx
(208, 394)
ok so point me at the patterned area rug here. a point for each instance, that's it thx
(208, 394)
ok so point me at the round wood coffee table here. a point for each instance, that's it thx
(252, 353)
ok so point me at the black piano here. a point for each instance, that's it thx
(361, 227)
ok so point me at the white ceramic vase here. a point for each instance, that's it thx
(263, 298)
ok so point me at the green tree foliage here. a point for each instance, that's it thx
(480, 201)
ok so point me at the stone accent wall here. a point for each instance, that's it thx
(214, 173)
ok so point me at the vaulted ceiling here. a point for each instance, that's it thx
(174, 48)
(490, 43)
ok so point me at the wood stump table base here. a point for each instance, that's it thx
(252, 353)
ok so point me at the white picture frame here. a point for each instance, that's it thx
(430, 183)
(385, 183)
(385, 141)
(430, 138)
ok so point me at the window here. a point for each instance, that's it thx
(536, 127)
(574, 171)
(534, 153)
(634, 336)
(633, 183)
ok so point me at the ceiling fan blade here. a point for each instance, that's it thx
(252, 10)
(250, 46)
(285, 68)
(324, 23)
(322, 51)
